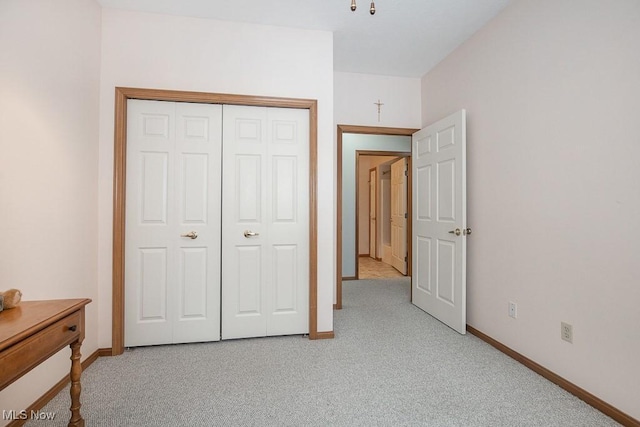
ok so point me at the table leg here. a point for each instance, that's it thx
(76, 370)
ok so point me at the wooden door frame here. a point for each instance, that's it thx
(122, 94)
(365, 130)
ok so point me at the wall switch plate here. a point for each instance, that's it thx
(566, 332)
(513, 309)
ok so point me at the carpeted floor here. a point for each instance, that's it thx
(389, 365)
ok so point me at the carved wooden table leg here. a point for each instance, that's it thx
(76, 370)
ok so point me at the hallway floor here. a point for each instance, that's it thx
(369, 268)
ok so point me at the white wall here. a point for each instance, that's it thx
(355, 95)
(165, 52)
(552, 94)
(49, 73)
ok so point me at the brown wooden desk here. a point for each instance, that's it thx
(35, 331)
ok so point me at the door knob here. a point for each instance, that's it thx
(466, 231)
(249, 233)
(457, 232)
(191, 235)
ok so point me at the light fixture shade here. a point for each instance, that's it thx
(353, 5)
(372, 9)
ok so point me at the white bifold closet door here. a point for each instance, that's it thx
(208, 240)
(172, 281)
(265, 217)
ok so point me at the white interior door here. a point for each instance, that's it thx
(399, 215)
(373, 200)
(172, 283)
(265, 222)
(439, 220)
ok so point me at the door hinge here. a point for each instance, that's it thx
(405, 258)
(406, 172)
(406, 215)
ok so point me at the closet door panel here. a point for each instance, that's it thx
(265, 213)
(172, 282)
(197, 207)
(245, 263)
(288, 221)
(150, 227)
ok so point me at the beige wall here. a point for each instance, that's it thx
(49, 74)
(552, 92)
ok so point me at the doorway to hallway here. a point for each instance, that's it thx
(350, 139)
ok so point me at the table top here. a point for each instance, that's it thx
(30, 317)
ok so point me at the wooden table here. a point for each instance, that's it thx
(36, 330)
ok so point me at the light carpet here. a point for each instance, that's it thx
(390, 364)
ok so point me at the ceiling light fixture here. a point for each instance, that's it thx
(372, 8)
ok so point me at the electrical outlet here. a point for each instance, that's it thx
(566, 332)
(513, 310)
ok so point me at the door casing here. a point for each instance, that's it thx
(366, 130)
(122, 94)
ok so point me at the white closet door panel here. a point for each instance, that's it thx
(288, 221)
(154, 182)
(244, 258)
(150, 312)
(249, 180)
(284, 194)
(153, 285)
(249, 295)
(285, 279)
(173, 188)
(195, 183)
(193, 283)
(149, 271)
(265, 192)
(198, 150)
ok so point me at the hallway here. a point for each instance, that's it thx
(369, 268)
